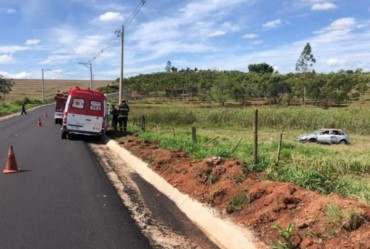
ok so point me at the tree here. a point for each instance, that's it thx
(5, 86)
(306, 60)
(168, 66)
(260, 68)
(220, 88)
(304, 66)
(277, 87)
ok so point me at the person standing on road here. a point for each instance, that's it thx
(123, 110)
(114, 112)
(24, 108)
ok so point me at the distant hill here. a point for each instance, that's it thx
(32, 88)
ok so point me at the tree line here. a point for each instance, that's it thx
(334, 88)
(260, 82)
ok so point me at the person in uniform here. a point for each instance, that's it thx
(123, 111)
(114, 112)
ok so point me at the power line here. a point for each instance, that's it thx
(117, 32)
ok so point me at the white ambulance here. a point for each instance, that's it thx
(85, 113)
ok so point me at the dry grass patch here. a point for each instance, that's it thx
(32, 88)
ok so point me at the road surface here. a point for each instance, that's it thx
(61, 198)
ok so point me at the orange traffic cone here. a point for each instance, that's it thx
(39, 123)
(11, 164)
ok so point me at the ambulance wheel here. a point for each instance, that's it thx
(64, 135)
(99, 138)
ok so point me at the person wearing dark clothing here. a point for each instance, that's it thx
(123, 111)
(114, 112)
(24, 109)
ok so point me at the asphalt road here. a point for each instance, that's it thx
(61, 198)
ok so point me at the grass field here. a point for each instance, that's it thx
(32, 88)
(344, 169)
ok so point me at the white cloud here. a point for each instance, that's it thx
(230, 27)
(257, 42)
(70, 42)
(225, 28)
(273, 24)
(12, 49)
(6, 59)
(250, 36)
(89, 45)
(338, 28)
(335, 62)
(323, 6)
(56, 59)
(187, 30)
(342, 24)
(200, 9)
(65, 36)
(111, 17)
(217, 33)
(32, 42)
(21, 75)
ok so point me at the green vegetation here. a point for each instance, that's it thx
(351, 119)
(343, 169)
(7, 107)
(334, 213)
(5, 86)
(235, 87)
(238, 202)
(286, 235)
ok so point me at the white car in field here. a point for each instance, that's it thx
(328, 136)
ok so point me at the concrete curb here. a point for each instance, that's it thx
(222, 232)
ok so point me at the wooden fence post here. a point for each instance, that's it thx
(279, 148)
(143, 123)
(255, 140)
(194, 134)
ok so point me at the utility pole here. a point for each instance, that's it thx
(122, 61)
(43, 83)
(88, 65)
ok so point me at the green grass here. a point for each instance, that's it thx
(351, 119)
(237, 202)
(333, 213)
(9, 107)
(343, 169)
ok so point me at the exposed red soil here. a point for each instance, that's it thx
(218, 181)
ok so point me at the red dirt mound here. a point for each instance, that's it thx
(228, 186)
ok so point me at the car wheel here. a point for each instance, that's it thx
(343, 141)
(312, 140)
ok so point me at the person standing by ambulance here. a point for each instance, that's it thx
(123, 110)
(114, 113)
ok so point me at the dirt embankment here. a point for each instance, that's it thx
(227, 185)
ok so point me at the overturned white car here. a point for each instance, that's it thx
(329, 136)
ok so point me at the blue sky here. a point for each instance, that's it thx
(206, 34)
